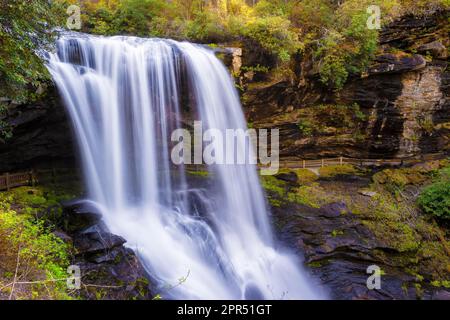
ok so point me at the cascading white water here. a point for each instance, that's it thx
(124, 95)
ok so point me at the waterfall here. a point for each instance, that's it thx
(125, 95)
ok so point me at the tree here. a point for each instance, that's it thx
(25, 27)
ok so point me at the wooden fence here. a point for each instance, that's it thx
(8, 181)
(297, 164)
(31, 177)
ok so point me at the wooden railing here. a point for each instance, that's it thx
(33, 177)
(306, 164)
(9, 181)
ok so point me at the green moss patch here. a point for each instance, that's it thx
(338, 170)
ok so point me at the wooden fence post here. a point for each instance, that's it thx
(304, 164)
(323, 163)
(32, 178)
(341, 161)
(7, 181)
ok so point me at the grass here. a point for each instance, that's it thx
(29, 252)
(33, 261)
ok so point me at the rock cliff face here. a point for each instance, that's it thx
(404, 97)
(42, 135)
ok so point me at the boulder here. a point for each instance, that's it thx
(435, 48)
(63, 236)
(79, 215)
(289, 177)
(334, 209)
(390, 63)
(115, 275)
(96, 242)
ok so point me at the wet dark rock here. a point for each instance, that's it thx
(63, 236)
(117, 275)
(96, 242)
(109, 270)
(252, 292)
(389, 63)
(290, 177)
(79, 215)
(435, 48)
(334, 210)
(198, 202)
(108, 256)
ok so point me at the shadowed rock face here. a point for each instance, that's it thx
(41, 135)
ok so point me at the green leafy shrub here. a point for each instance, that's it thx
(27, 219)
(435, 198)
(348, 49)
(29, 252)
(25, 27)
(257, 68)
(274, 34)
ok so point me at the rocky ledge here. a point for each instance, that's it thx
(345, 224)
(109, 270)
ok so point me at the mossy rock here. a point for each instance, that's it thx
(339, 170)
(301, 176)
(305, 176)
